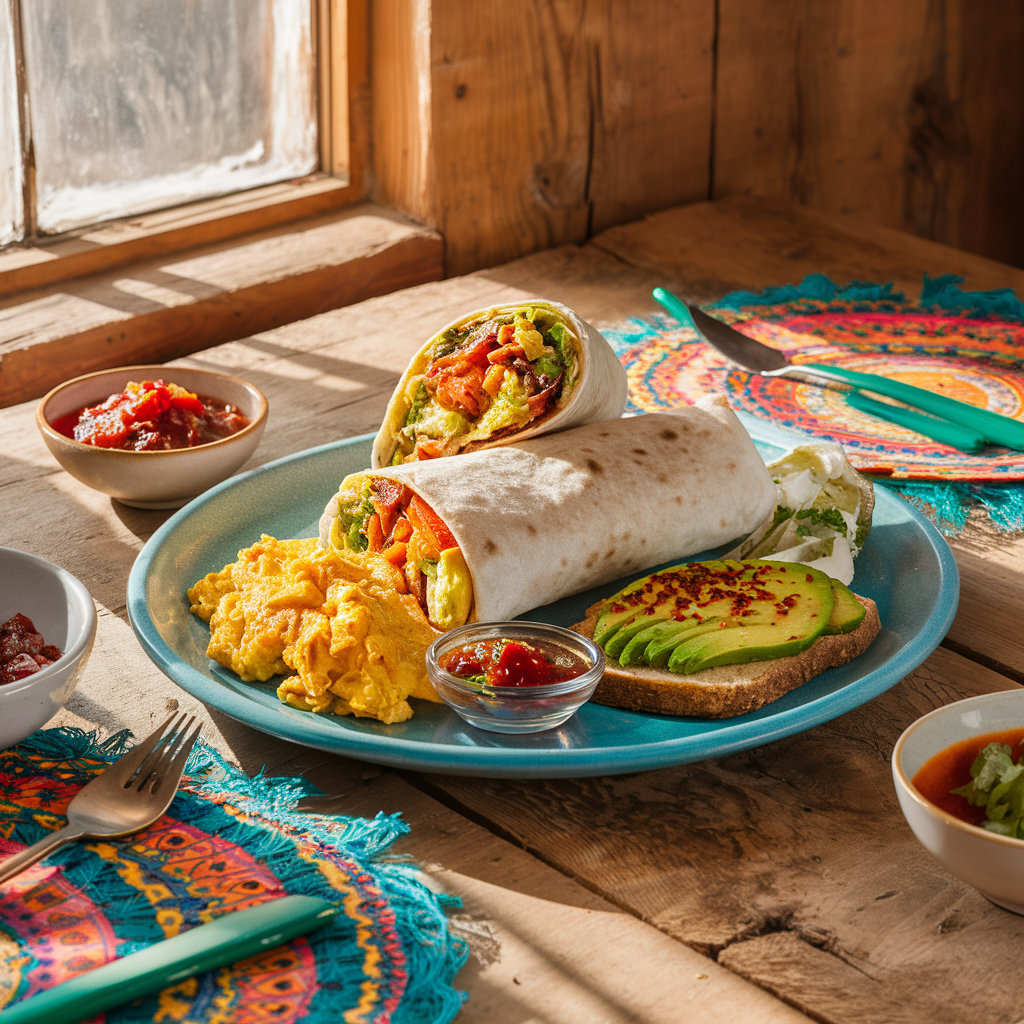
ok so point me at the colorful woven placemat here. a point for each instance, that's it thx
(969, 345)
(226, 843)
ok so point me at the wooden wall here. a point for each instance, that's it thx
(515, 125)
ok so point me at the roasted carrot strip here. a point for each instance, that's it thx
(395, 554)
(374, 534)
(402, 530)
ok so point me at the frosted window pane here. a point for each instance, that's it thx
(138, 105)
(12, 223)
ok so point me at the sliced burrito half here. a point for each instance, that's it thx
(495, 533)
(508, 372)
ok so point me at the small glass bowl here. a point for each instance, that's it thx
(516, 709)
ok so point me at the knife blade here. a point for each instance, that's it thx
(224, 940)
(950, 422)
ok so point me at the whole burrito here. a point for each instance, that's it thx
(494, 533)
(508, 372)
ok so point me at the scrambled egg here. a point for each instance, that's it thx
(354, 643)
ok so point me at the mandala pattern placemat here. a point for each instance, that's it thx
(227, 842)
(969, 346)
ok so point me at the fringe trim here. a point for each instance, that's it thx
(269, 829)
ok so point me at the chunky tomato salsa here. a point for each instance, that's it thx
(152, 416)
(504, 662)
(23, 650)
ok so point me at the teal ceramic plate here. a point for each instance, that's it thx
(906, 567)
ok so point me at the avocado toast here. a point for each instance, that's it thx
(718, 639)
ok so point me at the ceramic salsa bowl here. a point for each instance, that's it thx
(60, 608)
(992, 863)
(160, 479)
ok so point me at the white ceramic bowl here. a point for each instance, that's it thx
(62, 610)
(165, 479)
(992, 863)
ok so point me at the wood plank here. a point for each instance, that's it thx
(709, 249)
(906, 115)
(598, 113)
(803, 838)
(159, 310)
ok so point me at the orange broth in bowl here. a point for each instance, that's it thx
(951, 768)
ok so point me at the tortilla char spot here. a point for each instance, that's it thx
(530, 528)
(639, 451)
(565, 562)
(722, 523)
(669, 435)
(626, 535)
(679, 500)
(591, 560)
(609, 553)
(662, 478)
(490, 547)
(731, 466)
(604, 433)
(643, 540)
(594, 466)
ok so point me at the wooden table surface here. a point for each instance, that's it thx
(780, 884)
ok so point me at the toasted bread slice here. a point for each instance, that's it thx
(727, 690)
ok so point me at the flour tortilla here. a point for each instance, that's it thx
(541, 519)
(599, 392)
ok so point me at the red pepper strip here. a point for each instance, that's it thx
(474, 354)
(423, 517)
(388, 495)
(464, 391)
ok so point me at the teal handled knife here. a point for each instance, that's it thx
(951, 422)
(225, 940)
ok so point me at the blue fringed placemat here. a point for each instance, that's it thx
(970, 345)
(227, 842)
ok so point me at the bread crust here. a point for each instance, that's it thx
(728, 690)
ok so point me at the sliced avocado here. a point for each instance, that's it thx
(617, 644)
(621, 607)
(847, 612)
(661, 646)
(716, 613)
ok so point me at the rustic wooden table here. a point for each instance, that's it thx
(780, 884)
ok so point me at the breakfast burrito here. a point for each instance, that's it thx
(494, 533)
(504, 373)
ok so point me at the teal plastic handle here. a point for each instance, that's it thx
(994, 427)
(674, 305)
(206, 947)
(962, 438)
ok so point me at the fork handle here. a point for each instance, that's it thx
(17, 863)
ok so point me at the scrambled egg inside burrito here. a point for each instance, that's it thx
(354, 643)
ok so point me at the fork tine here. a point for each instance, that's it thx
(170, 758)
(128, 765)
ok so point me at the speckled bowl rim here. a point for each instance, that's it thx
(915, 794)
(165, 373)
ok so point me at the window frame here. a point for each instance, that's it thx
(342, 44)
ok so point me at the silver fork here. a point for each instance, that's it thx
(125, 798)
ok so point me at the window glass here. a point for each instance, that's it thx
(11, 212)
(138, 105)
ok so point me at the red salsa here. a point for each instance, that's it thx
(510, 663)
(152, 416)
(23, 651)
(950, 769)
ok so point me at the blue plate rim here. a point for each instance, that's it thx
(738, 734)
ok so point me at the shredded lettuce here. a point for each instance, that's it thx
(997, 784)
(822, 499)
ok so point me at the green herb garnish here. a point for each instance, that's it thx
(997, 784)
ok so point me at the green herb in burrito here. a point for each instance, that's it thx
(484, 379)
(823, 513)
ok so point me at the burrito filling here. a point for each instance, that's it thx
(386, 517)
(486, 379)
